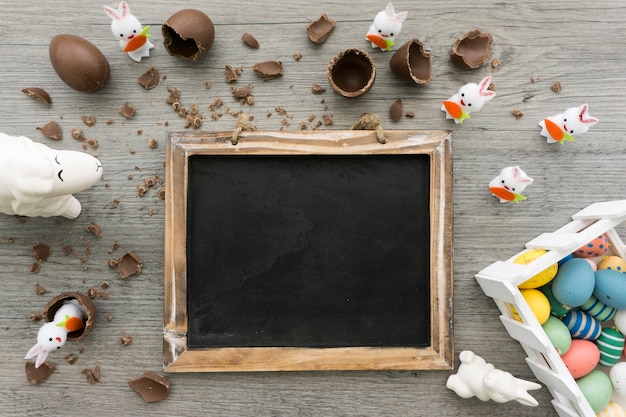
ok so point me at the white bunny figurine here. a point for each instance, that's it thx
(36, 180)
(471, 97)
(52, 335)
(561, 127)
(508, 186)
(387, 25)
(477, 378)
(126, 27)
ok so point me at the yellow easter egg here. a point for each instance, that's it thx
(538, 303)
(612, 262)
(541, 278)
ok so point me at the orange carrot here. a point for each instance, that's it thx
(377, 40)
(73, 323)
(453, 109)
(554, 130)
(135, 43)
(502, 193)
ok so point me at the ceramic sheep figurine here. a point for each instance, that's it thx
(562, 127)
(508, 186)
(36, 180)
(53, 335)
(477, 378)
(387, 25)
(471, 97)
(125, 26)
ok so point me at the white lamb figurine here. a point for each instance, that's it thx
(562, 127)
(36, 180)
(53, 335)
(126, 27)
(477, 378)
(387, 25)
(471, 97)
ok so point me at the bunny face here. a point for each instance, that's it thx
(576, 120)
(387, 23)
(472, 97)
(73, 171)
(124, 26)
(51, 337)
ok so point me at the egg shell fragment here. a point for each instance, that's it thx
(542, 277)
(597, 389)
(610, 288)
(558, 333)
(581, 358)
(574, 282)
(581, 325)
(79, 63)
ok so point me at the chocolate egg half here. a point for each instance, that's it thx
(188, 34)
(79, 63)
(86, 305)
(472, 49)
(351, 72)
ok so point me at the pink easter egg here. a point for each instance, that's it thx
(596, 247)
(581, 358)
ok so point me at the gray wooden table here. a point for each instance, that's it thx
(538, 43)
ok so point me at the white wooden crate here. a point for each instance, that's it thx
(500, 280)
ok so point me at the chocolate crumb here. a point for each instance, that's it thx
(52, 130)
(153, 143)
(395, 111)
(149, 79)
(38, 375)
(517, 113)
(39, 290)
(491, 87)
(409, 114)
(95, 229)
(129, 264)
(109, 317)
(161, 193)
(105, 284)
(556, 87)
(297, 56)
(93, 376)
(35, 267)
(534, 79)
(78, 135)
(127, 110)
(174, 95)
(39, 94)
(317, 89)
(230, 73)
(328, 120)
(89, 120)
(495, 63)
(71, 359)
(41, 251)
(141, 190)
(126, 340)
(35, 317)
(250, 40)
(92, 292)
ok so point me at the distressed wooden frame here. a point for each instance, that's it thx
(176, 354)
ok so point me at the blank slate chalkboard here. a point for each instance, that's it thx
(305, 251)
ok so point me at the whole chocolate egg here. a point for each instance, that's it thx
(79, 63)
(188, 34)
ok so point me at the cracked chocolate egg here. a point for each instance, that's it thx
(351, 72)
(411, 62)
(188, 34)
(85, 304)
(472, 49)
(79, 63)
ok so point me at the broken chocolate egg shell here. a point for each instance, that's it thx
(411, 62)
(38, 375)
(188, 34)
(86, 304)
(472, 49)
(269, 69)
(351, 72)
(319, 30)
(152, 387)
(79, 63)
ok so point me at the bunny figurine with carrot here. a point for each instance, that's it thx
(471, 97)
(387, 25)
(133, 38)
(562, 127)
(53, 335)
(508, 186)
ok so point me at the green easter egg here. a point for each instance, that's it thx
(597, 389)
(557, 309)
(558, 333)
(611, 345)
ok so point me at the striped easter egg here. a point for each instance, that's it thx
(611, 345)
(598, 309)
(612, 410)
(581, 325)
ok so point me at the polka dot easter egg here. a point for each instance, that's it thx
(612, 262)
(596, 247)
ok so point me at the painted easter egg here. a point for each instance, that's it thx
(613, 409)
(596, 247)
(611, 345)
(574, 282)
(613, 262)
(597, 389)
(565, 259)
(542, 277)
(558, 333)
(581, 358)
(557, 308)
(610, 288)
(581, 325)
(618, 378)
(538, 303)
(620, 320)
(598, 309)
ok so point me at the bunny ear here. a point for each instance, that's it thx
(112, 13)
(584, 115)
(484, 88)
(33, 351)
(41, 358)
(124, 9)
(401, 17)
(390, 11)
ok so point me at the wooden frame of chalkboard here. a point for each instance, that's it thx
(357, 148)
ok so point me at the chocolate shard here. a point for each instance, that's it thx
(41, 251)
(39, 94)
(395, 111)
(38, 375)
(152, 387)
(52, 130)
(250, 40)
(319, 30)
(129, 264)
(269, 69)
(149, 79)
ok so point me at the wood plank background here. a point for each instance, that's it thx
(577, 43)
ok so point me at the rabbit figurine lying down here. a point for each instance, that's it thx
(477, 378)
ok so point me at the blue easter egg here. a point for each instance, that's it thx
(574, 282)
(598, 309)
(565, 259)
(611, 288)
(581, 325)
